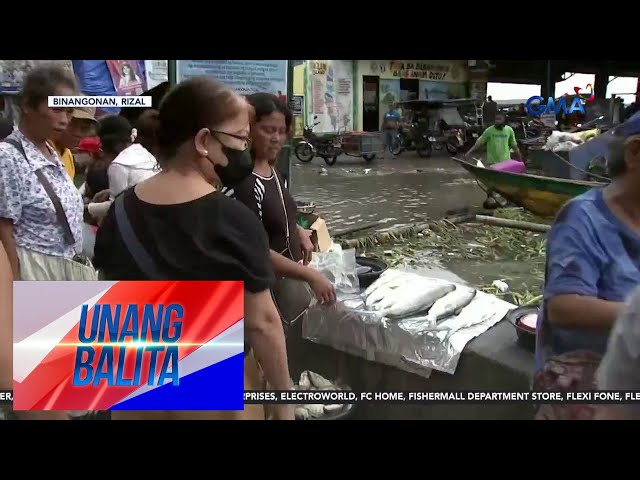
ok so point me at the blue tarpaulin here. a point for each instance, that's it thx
(94, 79)
(582, 155)
(632, 125)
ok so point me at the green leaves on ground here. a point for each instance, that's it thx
(478, 253)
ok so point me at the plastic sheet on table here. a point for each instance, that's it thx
(412, 345)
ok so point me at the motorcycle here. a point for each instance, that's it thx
(453, 140)
(412, 139)
(535, 128)
(456, 141)
(525, 131)
(326, 147)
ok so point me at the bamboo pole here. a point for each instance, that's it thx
(356, 228)
(386, 235)
(503, 222)
(383, 236)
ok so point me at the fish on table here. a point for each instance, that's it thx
(386, 277)
(452, 303)
(395, 278)
(402, 295)
(414, 299)
(388, 292)
(384, 291)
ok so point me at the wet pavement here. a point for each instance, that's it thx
(398, 191)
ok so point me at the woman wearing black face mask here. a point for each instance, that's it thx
(191, 231)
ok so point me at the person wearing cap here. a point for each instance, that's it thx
(90, 162)
(593, 259)
(83, 124)
(85, 154)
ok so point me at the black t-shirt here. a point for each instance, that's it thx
(210, 238)
(261, 195)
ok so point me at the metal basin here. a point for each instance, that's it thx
(306, 207)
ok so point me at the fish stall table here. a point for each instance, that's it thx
(491, 361)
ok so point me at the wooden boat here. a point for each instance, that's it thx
(542, 196)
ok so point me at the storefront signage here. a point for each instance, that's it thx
(424, 71)
(418, 69)
(318, 67)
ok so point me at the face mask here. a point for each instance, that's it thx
(239, 167)
(499, 126)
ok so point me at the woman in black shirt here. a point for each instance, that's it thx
(264, 192)
(194, 232)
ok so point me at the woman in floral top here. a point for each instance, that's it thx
(30, 232)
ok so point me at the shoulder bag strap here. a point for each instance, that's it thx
(57, 204)
(137, 250)
(284, 205)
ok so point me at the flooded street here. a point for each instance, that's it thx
(408, 190)
(397, 191)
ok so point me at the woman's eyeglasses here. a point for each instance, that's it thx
(245, 139)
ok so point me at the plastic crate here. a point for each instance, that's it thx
(364, 143)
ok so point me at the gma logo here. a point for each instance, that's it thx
(535, 107)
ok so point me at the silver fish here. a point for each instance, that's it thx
(452, 303)
(385, 296)
(301, 413)
(384, 278)
(315, 410)
(305, 382)
(383, 292)
(332, 408)
(395, 280)
(416, 300)
(406, 291)
(319, 381)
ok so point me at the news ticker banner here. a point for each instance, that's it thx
(168, 345)
(328, 397)
(331, 397)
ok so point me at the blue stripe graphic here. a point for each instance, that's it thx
(217, 387)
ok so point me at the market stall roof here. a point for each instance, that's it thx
(437, 103)
(535, 71)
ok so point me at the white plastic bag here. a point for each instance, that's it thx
(564, 147)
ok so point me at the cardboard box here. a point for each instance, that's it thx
(319, 231)
(321, 235)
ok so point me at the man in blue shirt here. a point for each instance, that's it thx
(390, 125)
